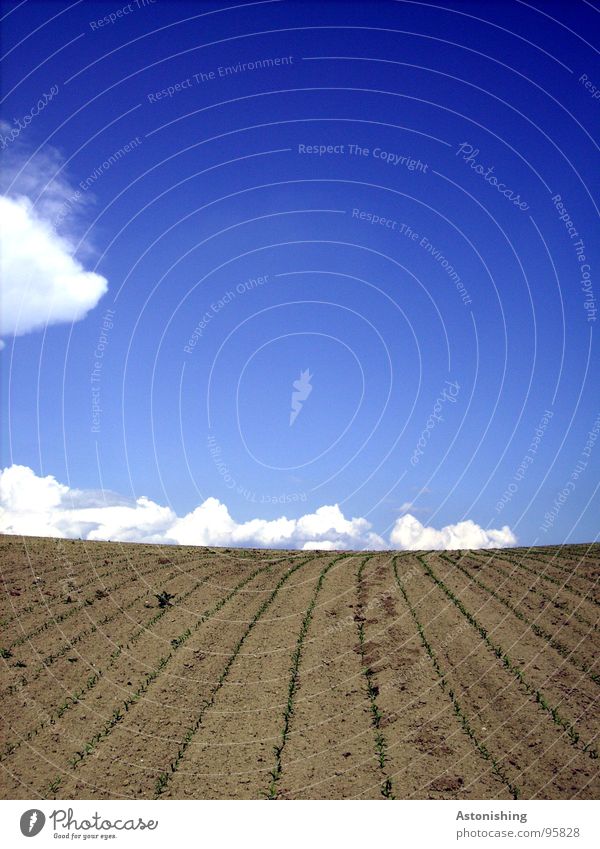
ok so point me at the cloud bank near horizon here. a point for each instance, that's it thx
(31, 505)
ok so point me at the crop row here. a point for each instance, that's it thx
(530, 689)
(551, 599)
(579, 552)
(559, 563)
(164, 778)
(386, 787)
(71, 584)
(51, 658)
(574, 572)
(47, 574)
(74, 698)
(294, 682)
(151, 676)
(563, 650)
(561, 584)
(579, 570)
(521, 556)
(86, 632)
(460, 714)
(86, 603)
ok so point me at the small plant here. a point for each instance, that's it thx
(497, 650)
(540, 632)
(371, 687)
(162, 781)
(5, 653)
(164, 599)
(54, 786)
(497, 768)
(386, 789)
(134, 697)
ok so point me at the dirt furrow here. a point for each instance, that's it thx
(429, 753)
(543, 595)
(75, 672)
(138, 677)
(531, 747)
(543, 620)
(557, 588)
(329, 752)
(562, 684)
(231, 753)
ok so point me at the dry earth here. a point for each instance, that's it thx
(273, 674)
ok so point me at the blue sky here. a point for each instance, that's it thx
(371, 193)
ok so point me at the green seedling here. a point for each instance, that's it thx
(372, 689)
(497, 768)
(54, 786)
(497, 650)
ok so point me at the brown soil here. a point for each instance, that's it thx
(315, 675)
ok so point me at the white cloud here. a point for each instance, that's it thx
(315, 545)
(41, 281)
(41, 506)
(326, 528)
(43, 179)
(44, 507)
(410, 534)
(411, 507)
(22, 491)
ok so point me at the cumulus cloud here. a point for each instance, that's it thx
(411, 535)
(41, 281)
(42, 506)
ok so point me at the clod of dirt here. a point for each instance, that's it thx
(446, 784)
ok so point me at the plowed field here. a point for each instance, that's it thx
(289, 675)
